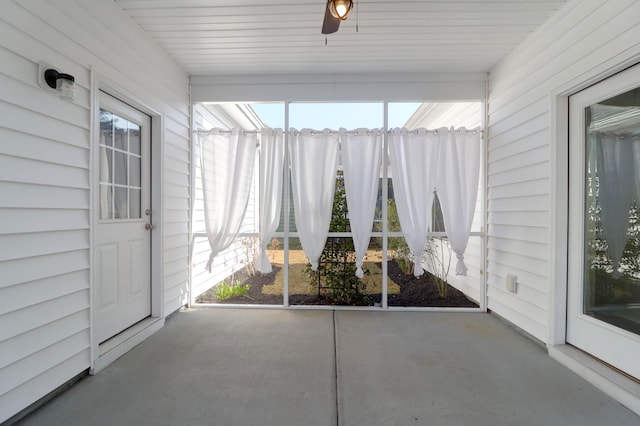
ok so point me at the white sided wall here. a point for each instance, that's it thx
(584, 42)
(45, 178)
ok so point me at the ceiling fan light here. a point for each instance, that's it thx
(340, 8)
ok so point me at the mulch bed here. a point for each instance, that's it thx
(416, 292)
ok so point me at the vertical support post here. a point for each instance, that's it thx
(192, 195)
(483, 182)
(385, 195)
(287, 210)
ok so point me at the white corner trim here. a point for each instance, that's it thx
(559, 215)
(609, 381)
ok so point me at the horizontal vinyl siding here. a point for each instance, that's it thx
(581, 40)
(45, 182)
(177, 199)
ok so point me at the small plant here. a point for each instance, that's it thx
(274, 244)
(250, 252)
(224, 291)
(434, 252)
(434, 255)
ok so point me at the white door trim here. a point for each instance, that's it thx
(595, 336)
(609, 381)
(101, 357)
(559, 190)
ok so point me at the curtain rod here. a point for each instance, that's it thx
(223, 132)
(255, 132)
(331, 132)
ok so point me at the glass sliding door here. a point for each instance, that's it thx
(604, 246)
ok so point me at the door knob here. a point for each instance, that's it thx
(148, 226)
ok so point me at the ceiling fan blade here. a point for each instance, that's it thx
(330, 24)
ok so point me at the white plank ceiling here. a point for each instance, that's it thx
(230, 37)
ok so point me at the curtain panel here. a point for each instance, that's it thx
(227, 163)
(422, 163)
(615, 165)
(361, 153)
(457, 187)
(613, 162)
(314, 163)
(413, 157)
(270, 184)
(445, 161)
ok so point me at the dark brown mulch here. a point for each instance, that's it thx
(422, 291)
(416, 292)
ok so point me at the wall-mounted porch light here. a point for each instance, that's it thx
(64, 85)
(340, 8)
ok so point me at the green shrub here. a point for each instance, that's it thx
(336, 273)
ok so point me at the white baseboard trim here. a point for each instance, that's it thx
(122, 343)
(608, 380)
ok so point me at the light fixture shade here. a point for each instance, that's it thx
(340, 8)
(66, 87)
(64, 84)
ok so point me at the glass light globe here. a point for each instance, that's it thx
(340, 8)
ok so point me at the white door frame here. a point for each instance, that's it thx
(583, 330)
(559, 192)
(103, 355)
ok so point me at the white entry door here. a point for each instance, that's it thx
(603, 315)
(123, 218)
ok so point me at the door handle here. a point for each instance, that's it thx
(148, 226)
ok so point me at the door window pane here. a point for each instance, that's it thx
(106, 128)
(612, 221)
(106, 202)
(134, 204)
(134, 171)
(134, 138)
(120, 170)
(121, 204)
(120, 133)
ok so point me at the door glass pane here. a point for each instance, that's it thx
(612, 219)
(120, 169)
(120, 132)
(134, 204)
(121, 205)
(106, 128)
(106, 202)
(134, 171)
(134, 138)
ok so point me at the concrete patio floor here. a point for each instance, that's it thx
(289, 367)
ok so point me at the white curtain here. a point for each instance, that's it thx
(457, 187)
(361, 153)
(615, 164)
(413, 157)
(314, 162)
(227, 163)
(614, 156)
(271, 171)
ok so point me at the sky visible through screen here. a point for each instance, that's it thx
(335, 115)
